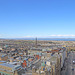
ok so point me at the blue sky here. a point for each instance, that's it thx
(37, 18)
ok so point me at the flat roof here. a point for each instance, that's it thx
(14, 67)
(10, 65)
(7, 65)
(3, 61)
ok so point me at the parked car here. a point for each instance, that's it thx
(72, 69)
(73, 61)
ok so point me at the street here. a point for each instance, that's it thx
(69, 66)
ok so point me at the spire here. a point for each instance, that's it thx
(36, 42)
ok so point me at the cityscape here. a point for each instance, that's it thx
(37, 57)
(37, 37)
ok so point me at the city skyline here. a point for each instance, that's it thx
(37, 18)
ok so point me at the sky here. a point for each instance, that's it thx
(37, 18)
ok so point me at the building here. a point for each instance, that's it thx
(3, 57)
(9, 69)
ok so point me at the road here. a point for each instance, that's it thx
(73, 65)
(67, 69)
(70, 64)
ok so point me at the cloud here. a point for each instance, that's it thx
(53, 36)
(50, 36)
(62, 35)
(29, 36)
